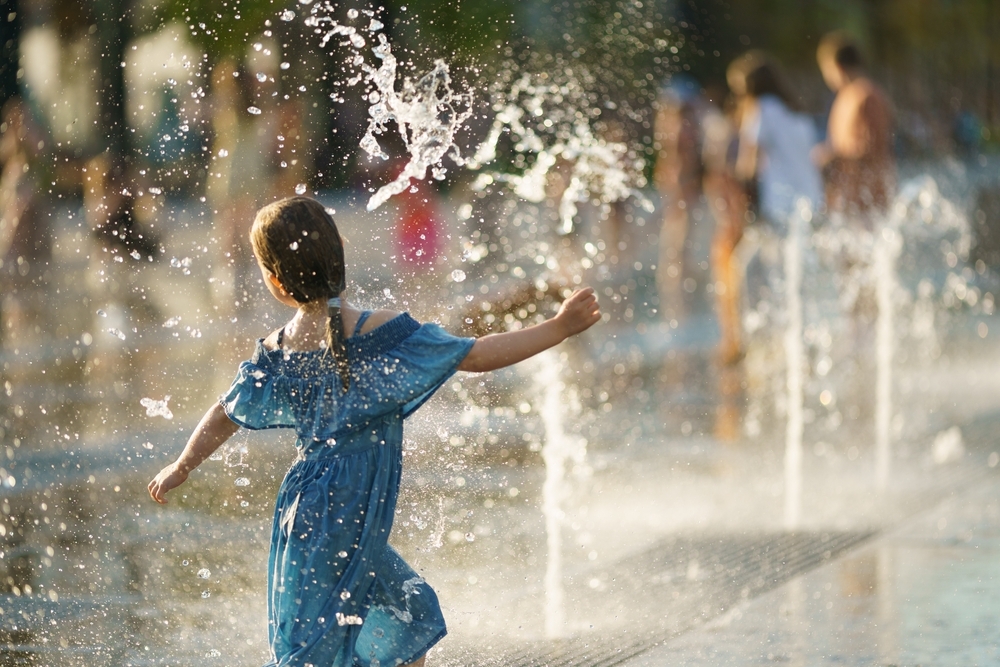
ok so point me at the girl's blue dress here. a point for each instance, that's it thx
(338, 594)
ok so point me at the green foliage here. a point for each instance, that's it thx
(221, 27)
(469, 31)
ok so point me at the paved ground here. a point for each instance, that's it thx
(923, 594)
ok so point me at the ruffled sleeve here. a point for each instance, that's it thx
(252, 401)
(422, 362)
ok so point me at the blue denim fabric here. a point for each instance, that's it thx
(338, 594)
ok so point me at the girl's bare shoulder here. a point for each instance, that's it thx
(271, 342)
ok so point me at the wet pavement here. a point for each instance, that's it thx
(924, 593)
(670, 519)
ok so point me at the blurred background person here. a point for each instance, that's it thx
(773, 160)
(677, 176)
(243, 170)
(775, 140)
(728, 201)
(25, 227)
(857, 158)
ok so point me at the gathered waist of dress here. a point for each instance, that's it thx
(346, 443)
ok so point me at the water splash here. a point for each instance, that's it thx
(887, 247)
(156, 408)
(436, 539)
(427, 114)
(794, 360)
(550, 123)
(935, 237)
(949, 446)
(559, 449)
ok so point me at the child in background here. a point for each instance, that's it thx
(338, 594)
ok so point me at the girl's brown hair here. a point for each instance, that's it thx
(296, 240)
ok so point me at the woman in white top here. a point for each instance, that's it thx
(774, 140)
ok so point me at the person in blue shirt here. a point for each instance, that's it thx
(338, 594)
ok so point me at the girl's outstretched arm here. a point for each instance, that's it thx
(214, 429)
(577, 313)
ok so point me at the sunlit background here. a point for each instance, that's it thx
(597, 505)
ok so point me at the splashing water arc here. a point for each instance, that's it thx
(425, 113)
(550, 123)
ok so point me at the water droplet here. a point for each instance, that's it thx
(288, 15)
(223, 152)
(257, 46)
(185, 563)
(116, 332)
(300, 189)
(156, 408)
(206, 594)
(244, 503)
(171, 323)
(294, 245)
(261, 77)
(204, 573)
(375, 25)
(342, 554)
(458, 275)
(242, 481)
(135, 254)
(254, 110)
(284, 65)
(345, 595)
(101, 313)
(469, 537)
(352, 13)
(214, 653)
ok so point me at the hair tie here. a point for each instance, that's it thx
(333, 303)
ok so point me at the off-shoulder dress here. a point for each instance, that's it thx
(338, 594)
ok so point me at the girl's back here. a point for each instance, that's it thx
(394, 366)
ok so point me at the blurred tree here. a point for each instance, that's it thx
(10, 33)
(113, 32)
(469, 31)
(222, 27)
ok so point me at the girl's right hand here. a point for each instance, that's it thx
(169, 478)
(579, 312)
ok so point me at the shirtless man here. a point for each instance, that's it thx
(857, 159)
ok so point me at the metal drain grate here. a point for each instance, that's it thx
(679, 584)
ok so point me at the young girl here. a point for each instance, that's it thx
(338, 594)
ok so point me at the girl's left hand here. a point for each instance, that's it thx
(579, 312)
(169, 478)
